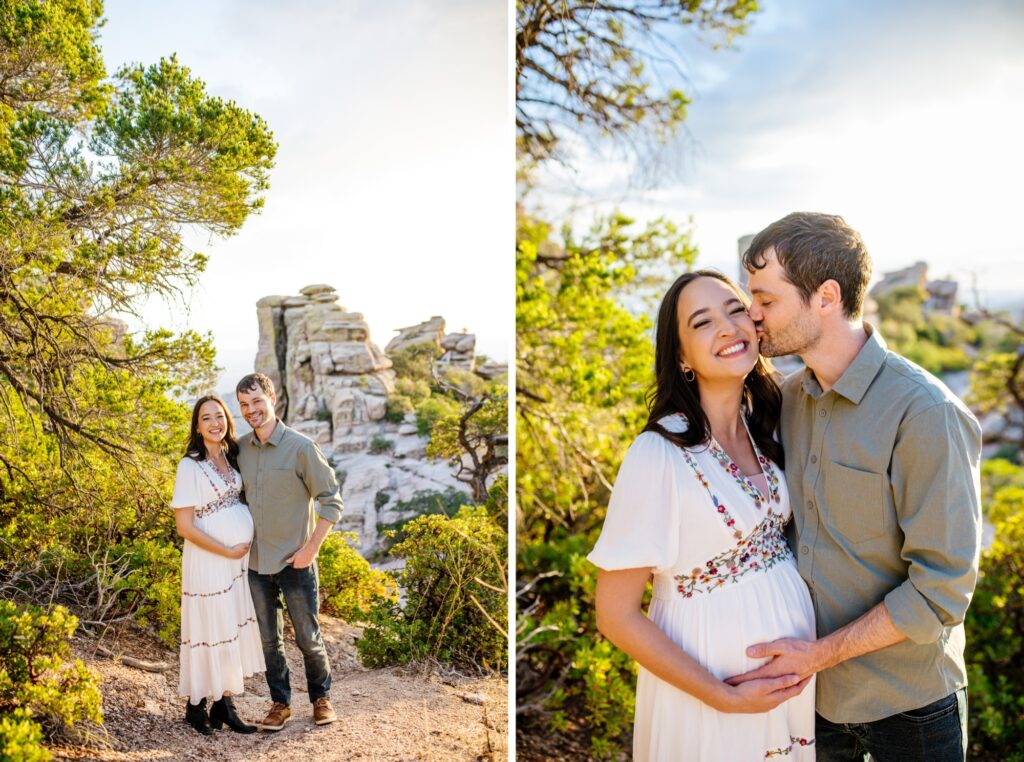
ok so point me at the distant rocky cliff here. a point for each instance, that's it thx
(334, 384)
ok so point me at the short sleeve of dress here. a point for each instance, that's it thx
(186, 487)
(641, 527)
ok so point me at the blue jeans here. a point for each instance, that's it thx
(933, 733)
(298, 589)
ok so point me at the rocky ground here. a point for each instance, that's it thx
(385, 714)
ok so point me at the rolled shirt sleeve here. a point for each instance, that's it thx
(321, 482)
(935, 483)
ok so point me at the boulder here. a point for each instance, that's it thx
(429, 332)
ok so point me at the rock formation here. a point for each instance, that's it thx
(334, 384)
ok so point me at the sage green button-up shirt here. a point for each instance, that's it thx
(883, 474)
(282, 478)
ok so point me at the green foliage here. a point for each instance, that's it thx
(348, 585)
(154, 576)
(21, 739)
(422, 503)
(934, 341)
(99, 180)
(455, 607)
(53, 72)
(425, 502)
(415, 389)
(39, 689)
(380, 444)
(989, 379)
(995, 624)
(583, 365)
(474, 439)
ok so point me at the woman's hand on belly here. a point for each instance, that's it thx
(756, 696)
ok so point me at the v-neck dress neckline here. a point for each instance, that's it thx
(723, 458)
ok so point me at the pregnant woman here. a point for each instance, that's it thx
(700, 506)
(220, 642)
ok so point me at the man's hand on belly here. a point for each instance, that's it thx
(791, 656)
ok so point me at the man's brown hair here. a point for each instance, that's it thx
(255, 381)
(813, 248)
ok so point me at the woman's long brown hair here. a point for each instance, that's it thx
(672, 393)
(196, 448)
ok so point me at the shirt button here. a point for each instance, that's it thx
(810, 504)
(804, 549)
(822, 413)
(814, 459)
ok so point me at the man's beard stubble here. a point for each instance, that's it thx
(797, 338)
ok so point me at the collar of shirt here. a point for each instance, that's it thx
(275, 438)
(857, 377)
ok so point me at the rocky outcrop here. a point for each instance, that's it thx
(334, 381)
(459, 351)
(334, 384)
(429, 333)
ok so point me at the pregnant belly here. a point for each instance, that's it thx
(230, 526)
(716, 628)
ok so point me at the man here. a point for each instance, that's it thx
(882, 467)
(283, 473)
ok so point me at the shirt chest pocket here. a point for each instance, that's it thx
(855, 503)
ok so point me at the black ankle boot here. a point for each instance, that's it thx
(222, 712)
(195, 715)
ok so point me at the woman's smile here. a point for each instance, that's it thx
(735, 348)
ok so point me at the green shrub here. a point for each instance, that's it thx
(600, 685)
(394, 413)
(21, 739)
(380, 444)
(39, 691)
(431, 410)
(455, 607)
(348, 584)
(422, 503)
(381, 499)
(997, 473)
(155, 576)
(995, 634)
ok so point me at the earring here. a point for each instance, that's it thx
(688, 373)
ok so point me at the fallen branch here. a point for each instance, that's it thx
(131, 661)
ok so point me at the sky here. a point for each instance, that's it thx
(905, 118)
(394, 180)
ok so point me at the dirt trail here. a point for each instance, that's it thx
(384, 714)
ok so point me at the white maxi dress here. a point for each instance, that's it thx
(220, 640)
(724, 579)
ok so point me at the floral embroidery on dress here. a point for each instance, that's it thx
(764, 547)
(204, 644)
(784, 750)
(720, 507)
(219, 592)
(228, 478)
(770, 475)
(224, 499)
(772, 478)
(229, 498)
(759, 551)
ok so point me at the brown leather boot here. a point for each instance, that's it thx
(323, 712)
(278, 715)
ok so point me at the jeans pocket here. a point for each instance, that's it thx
(933, 711)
